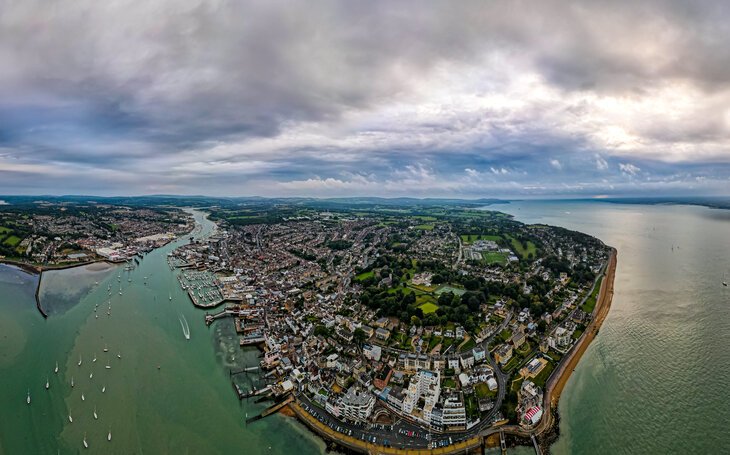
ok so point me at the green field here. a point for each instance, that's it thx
(452, 289)
(13, 240)
(523, 250)
(590, 302)
(428, 308)
(4, 230)
(492, 257)
(425, 227)
(364, 276)
(469, 238)
(482, 391)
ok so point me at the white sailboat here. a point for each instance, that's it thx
(55, 370)
(95, 416)
(72, 381)
(86, 444)
(103, 389)
(119, 356)
(94, 358)
(109, 436)
(47, 384)
(27, 398)
(91, 375)
(79, 360)
(105, 348)
(82, 397)
(70, 419)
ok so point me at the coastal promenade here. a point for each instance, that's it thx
(371, 448)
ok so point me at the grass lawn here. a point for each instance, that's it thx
(470, 343)
(13, 240)
(493, 257)
(425, 217)
(425, 227)
(365, 275)
(449, 382)
(577, 334)
(505, 335)
(542, 378)
(452, 289)
(4, 229)
(483, 391)
(590, 302)
(433, 342)
(523, 250)
(428, 308)
(447, 342)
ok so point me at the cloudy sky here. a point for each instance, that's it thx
(485, 99)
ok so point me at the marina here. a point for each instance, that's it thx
(144, 385)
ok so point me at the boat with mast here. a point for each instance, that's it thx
(55, 370)
(109, 436)
(27, 398)
(48, 384)
(95, 416)
(80, 360)
(86, 444)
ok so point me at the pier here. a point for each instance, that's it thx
(209, 318)
(271, 409)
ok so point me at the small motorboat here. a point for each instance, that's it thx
(80, 360)
(108, 367)
(70, 419)
(55, 370)
(27, 398)
(47, 384)
(82, 397)
(86, 444)
(91, 375)
(72, 381)
(109, 436)
(103, 389)
(95, 416)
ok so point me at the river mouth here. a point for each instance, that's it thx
(163, 393)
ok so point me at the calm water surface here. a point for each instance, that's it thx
(165, 395)
(656, 380)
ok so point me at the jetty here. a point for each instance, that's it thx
(271, 409)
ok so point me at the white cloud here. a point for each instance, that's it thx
(601, 164)
(556, 164)
(629, 169)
